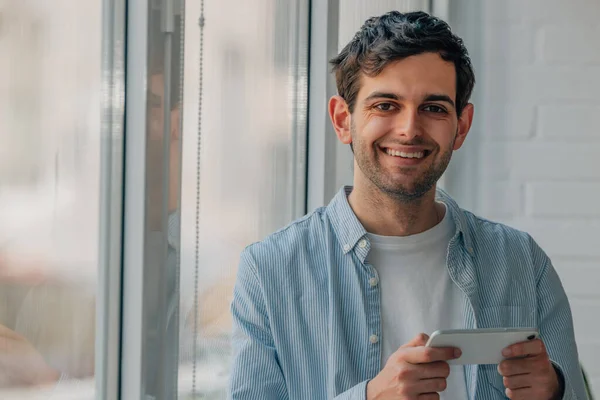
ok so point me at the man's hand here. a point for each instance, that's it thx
(529, 374)
(413, 372)
(21, 364)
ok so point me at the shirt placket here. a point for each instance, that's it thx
(461, 269)
(373, 302)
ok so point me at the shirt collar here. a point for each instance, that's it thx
(346, 226)
(349, 230)
(459, 217)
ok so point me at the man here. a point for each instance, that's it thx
(333, 305)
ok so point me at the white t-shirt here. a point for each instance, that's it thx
(417, 293)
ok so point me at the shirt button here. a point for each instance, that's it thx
(346, 247)
(362, 244)
(373, 282)
(374, 339)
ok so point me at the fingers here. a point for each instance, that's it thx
(429, 396)
(425, 355)
(520, 394)
(532, 377)
(539, 389)
(418, 370)
(514, 382)
(412, 372)
(427, 386)
(439, 369)
(523, 365)
(513, 367)
(414, 351)
(419, 340)
(524, 349)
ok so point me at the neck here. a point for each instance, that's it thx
(382, 214)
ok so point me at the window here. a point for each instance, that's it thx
(50, 96)
(252, 162)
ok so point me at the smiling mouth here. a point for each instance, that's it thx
(407, 155)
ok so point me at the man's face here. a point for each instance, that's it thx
(404, 127)
(155, 136)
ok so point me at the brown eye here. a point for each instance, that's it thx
(384, 106)
(434, 109)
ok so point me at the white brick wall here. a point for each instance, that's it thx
(569, 122)
(537, 138)
(563, 199)
(569, 44)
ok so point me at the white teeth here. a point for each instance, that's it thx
(402, 154)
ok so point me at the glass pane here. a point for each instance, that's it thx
(252, 162)
(50, 80)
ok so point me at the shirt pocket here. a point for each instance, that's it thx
(502, 317)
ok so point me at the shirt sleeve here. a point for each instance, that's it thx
(256, 372)
(556, 330)
(358, 392)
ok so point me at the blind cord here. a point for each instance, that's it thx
(201, 22)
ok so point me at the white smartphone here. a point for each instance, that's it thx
(481, 346)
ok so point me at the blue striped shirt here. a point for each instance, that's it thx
(303, 308)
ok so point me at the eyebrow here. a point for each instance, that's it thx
(393, 96)
(440, 97)
(384, 95)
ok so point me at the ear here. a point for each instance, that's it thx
(340, 118)
(464, 125)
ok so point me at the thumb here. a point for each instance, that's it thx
(419, 340)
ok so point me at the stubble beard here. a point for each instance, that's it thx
(401, 192)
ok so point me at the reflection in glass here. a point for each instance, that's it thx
(49, 192)
(252, 161)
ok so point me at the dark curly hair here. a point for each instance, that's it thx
(394, 36)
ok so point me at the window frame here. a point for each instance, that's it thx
(109, 295)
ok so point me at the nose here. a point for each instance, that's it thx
(407, 123)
